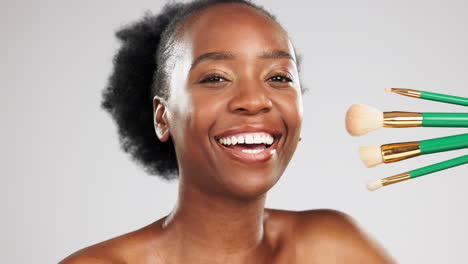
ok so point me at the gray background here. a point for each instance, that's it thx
(66, 184)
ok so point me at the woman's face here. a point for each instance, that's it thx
(233, 80)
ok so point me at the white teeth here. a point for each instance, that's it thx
(269, 140)
(253, 151)
(253, 138)
(257, 139)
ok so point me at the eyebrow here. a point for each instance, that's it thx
(276, 54)
(218, 55)
(224, 55)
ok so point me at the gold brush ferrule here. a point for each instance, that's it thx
(394, 179)
(406, 92)
(400, 151)
(402, 119)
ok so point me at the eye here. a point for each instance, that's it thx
(280, 81)
(280, 78)
(213, 79)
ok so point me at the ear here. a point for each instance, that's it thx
(161, 126)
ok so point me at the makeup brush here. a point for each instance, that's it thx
(362, 119)
(376, 184)
(374, 155)
(450, 99)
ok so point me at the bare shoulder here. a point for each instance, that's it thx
(128, 248)
(101, 253)
(86, 257)
(331, 235)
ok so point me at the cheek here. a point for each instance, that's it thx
(196, 120)
(194, 142)
(205, 112)
(296, 111)
(290, 108)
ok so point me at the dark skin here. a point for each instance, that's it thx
(251, 84)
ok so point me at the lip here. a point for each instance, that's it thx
(250, 158)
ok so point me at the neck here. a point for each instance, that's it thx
(218, 225)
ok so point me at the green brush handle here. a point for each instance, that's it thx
(443, 144)
(439, 166)
(445, 119)
(444, 98)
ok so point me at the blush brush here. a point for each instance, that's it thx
(373, 155)
(362, 119)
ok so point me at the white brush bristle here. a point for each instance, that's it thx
(362, 119)
(370, 155)
(374, 185)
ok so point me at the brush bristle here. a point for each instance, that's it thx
(370, 155)
(388, 89)
(374, 185)
(362, 119)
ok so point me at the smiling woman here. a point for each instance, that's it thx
(209, 92)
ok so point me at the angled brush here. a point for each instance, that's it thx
(374, 155)
(376, 184)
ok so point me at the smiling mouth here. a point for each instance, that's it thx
(249, 147)
(248, 142)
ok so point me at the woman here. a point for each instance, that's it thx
(227, 110)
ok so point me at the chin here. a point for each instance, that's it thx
(250, 184)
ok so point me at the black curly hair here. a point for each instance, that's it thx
(140, 72)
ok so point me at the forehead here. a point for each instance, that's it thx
(234, 27)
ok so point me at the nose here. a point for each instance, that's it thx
(250, 100)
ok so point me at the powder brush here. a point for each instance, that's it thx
(362, 119)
